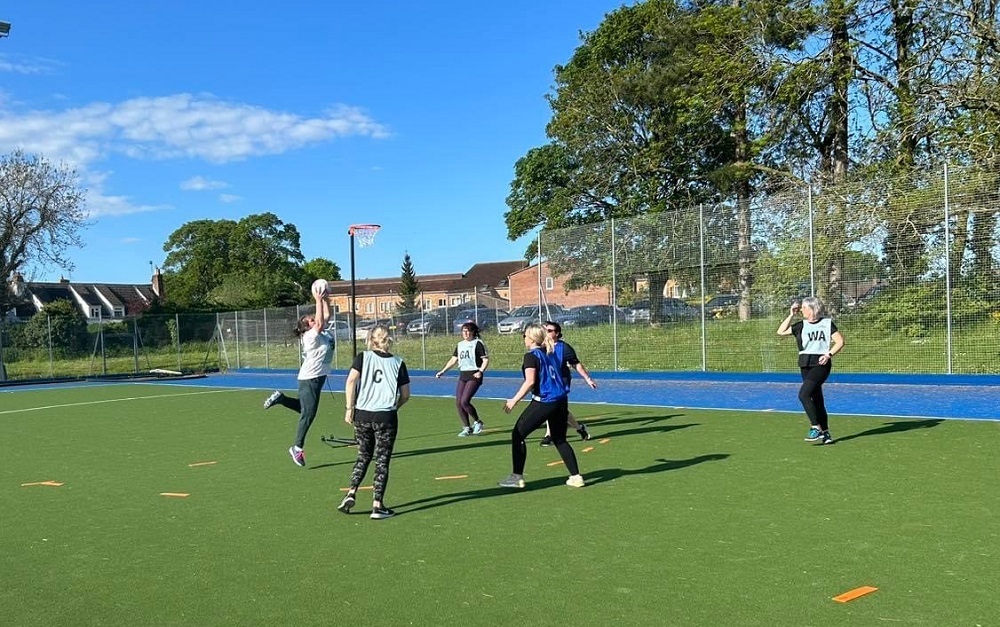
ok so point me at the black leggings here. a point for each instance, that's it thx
(811, 394)
(375, 439)
(464, 391)
(534, 416)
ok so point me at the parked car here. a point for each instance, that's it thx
(426, 324)
(722, 305)
(364, 326)
(526, 314)
(339, 329)
(484, 317)
(436, 321)
(866, 298)
(673, 309)
(587, 315)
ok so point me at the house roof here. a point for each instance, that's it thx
(492, 274)
(109, 297)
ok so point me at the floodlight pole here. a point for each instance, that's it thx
(354, 321)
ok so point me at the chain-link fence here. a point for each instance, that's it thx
(907, 268)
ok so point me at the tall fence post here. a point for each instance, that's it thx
(812, 256)
(701, 265)
(236, 338)
(947, 269)
(135, 345)
(267, 360)
(539, 269)
(48, 325)
(104, 353)
(3, 368)
(614, 299)
(177, 332)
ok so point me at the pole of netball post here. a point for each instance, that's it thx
(354, 321)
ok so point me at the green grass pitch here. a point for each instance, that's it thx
(689, 518)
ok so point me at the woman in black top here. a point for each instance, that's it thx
(818, 340)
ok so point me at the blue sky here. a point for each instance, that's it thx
(408, 114)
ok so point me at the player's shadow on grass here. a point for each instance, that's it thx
(645, 420)
(597, 434)
(466, 445)
(441, 500)
(603, 475)
(592, 478)
(894, 427)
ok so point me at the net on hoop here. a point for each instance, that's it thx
(364, 233)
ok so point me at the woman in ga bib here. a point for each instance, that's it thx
(818, 340)
(544, 382)
(473, 359)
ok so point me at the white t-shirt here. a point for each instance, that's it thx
(316, 354)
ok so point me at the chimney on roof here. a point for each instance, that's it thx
(63, 279)
(157, 283)
(17, 285)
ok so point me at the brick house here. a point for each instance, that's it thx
(97, 301)
(484, 285)
(525, 284)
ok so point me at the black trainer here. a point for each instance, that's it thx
(582, 430)
(382, 512)
(346, 505)
(546, 441)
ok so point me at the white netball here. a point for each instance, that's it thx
(321, 287)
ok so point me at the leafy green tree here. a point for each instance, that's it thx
(198, 257)
(623, 143)
(42, 213)
(320, 268)
(409, 288)
(255, 262)
(61, 323)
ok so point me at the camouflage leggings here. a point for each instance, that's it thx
(375, 439)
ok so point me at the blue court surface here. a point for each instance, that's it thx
(969, 397)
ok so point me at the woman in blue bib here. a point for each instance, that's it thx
(544, 382)
(818, 340)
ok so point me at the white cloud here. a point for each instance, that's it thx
(20, 64)
(180, 126)
(130, 240)
(229, 198)
(200, 183)
(102, 206)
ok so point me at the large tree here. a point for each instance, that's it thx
(623, 143)
(320, 268)
(661, 109)
(409, 288)
(41, 216)
(255, 262)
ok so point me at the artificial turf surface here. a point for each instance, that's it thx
(689, 518)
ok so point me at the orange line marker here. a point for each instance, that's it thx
(554, 463)
(451, 477)
(201, 464)
(53, 484)
(850, 595)
(588, 449)
(605, 440)
(180, 495)
(364, 487)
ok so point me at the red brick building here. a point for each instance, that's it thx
(525, 285)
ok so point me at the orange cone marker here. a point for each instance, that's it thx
(850, 595)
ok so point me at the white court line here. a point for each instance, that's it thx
(110, 400)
